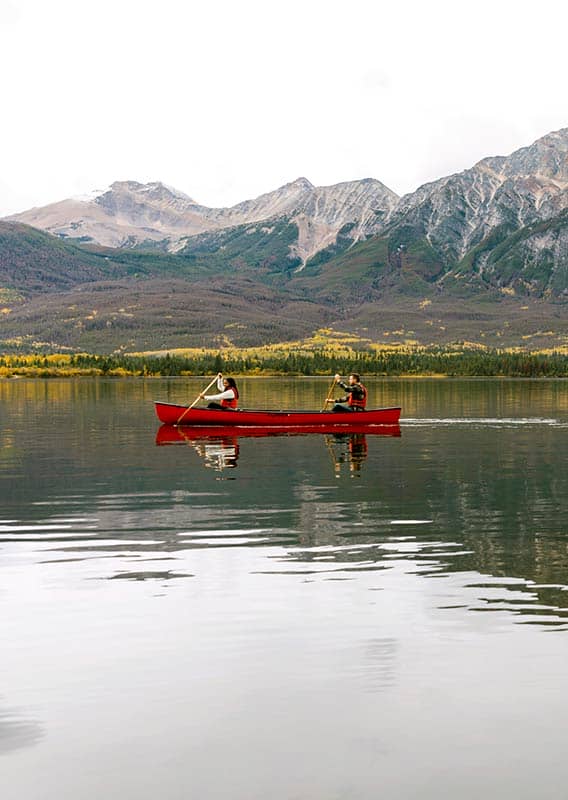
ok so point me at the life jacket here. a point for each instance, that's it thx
(231, 403)
(358, 403)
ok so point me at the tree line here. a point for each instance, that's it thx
(429, 361)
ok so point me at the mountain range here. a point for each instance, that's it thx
(481, 255)
(131, 214)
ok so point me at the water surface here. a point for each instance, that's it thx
(314, 616)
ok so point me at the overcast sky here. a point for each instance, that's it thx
(226, 100)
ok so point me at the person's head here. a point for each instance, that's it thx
(354, 378)
(229, 383)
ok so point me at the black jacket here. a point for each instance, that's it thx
(356, 390)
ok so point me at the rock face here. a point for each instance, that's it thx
(457, 213)
(363, 205)
(502, 223)
(129, 213)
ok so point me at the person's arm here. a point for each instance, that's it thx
(220, 387)
(353, 389)
(341, 383)
(344, 386)
(346, 398)
(228, 394)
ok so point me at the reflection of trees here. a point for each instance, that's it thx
(509, 500)
(497, 498)
(474, 398)
(509, 504)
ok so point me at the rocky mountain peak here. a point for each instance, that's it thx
(547, 158)
(301, 183)
(147, 192)
(459, 211)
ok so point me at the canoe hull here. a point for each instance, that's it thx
(173, 414)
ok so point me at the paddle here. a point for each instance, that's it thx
(328, 398)
(196, 400)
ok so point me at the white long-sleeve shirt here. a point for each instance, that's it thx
(224, 394)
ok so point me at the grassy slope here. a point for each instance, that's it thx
(240, 286)
(32, 261)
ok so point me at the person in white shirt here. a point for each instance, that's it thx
(228, 396)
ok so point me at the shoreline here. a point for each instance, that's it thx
(63, 375)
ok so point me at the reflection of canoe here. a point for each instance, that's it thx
(168, 434)
(170, 413)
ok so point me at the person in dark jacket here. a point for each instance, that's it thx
(356, 397)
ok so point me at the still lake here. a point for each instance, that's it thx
(303, 617)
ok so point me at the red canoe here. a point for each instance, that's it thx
(172, 414)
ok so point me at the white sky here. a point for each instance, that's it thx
(227, 99)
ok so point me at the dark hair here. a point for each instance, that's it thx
(356, 376)
(231, 382)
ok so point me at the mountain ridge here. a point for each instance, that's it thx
(529, 185)
(129, 213)
(436, 265)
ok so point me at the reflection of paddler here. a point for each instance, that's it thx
(347, 448)
(357, 451)
(219, 454)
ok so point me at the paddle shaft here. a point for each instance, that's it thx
(328, 398)
(196, 400)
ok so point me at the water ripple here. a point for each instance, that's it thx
(486, 422)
